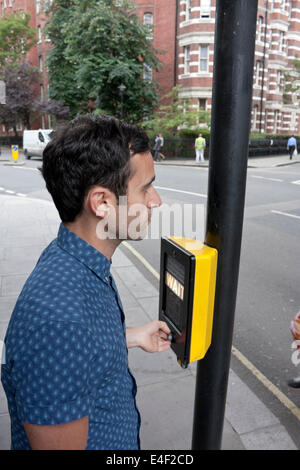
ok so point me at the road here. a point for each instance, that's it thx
(268, 292)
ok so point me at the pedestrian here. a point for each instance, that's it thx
(292, 146)
(161, 146)
(66, 374)
(200, 145)
(157, 147)
(295, 330)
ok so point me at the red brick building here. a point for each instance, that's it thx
(185, 30)
(36, 56)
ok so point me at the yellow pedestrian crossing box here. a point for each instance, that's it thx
(188, 271)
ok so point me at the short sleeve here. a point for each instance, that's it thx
(51, 374)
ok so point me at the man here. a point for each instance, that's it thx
(66, 372)
(200, 144)
(157, 147)
(291, 146)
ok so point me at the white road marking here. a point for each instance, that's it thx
(261, 377)
(296, 182)
(180, 191)
(269, 179)
(286, 214)
(9, 191)
(23, 168)
(141, 259)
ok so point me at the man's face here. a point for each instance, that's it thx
(129, 217)
(141, 197)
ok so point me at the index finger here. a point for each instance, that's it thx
(164, 327)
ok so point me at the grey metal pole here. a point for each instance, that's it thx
(231, 110)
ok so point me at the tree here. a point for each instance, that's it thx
(21, 83)
(291, 86)
(16, 37)
(175, 115)
(97, 46)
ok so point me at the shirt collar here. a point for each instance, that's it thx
(84, 252)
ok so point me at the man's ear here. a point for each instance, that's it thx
(97, 201)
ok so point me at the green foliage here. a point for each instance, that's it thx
(175, 115)
(96, 47)
(16, 37)
(291, 84)
(194, 133)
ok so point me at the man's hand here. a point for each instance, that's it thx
(151, 337)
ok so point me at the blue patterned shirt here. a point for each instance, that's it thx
(66, 353)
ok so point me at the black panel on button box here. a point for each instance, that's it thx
(177, 312)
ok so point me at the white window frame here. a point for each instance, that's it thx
(203, 59)
(205, 8)
(260, 23)
(148, 73)
(39, 29)
(188, 10)
(187, 59)
(280, 41)
(278, 79)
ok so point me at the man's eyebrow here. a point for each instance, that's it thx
(150, 182)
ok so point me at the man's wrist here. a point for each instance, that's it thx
(132, 338)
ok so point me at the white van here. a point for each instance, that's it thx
(34, 142)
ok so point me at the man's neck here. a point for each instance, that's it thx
(87, 231)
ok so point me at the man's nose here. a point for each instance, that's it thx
(156, 199)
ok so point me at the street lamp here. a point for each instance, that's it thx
(122, 88)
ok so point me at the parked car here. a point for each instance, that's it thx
(34, 142)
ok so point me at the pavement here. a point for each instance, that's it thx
(165, 390)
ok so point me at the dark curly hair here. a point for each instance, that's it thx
(90, 150)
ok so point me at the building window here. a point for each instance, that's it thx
(41, 63)
(282, 4)
(10, 3)
(38, 6)
(202, 104)
(147, 72)
(205, 8)
(257, 72)
(148, 21)
(148, 18)
(188, 10)
(187, 57)
(260, 35)
(42, 92)
(280, 41)
(254, 118)
(278, 79)
(39, 34)
(203, 63)
(275, 126)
